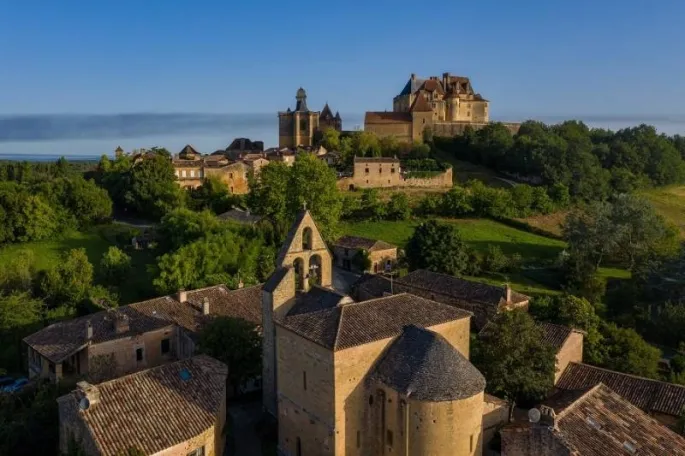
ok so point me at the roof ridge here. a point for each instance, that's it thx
(144, 371)
(337, 330)
(662, 382)
(582, 397)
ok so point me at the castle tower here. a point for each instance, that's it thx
(296, 128)
(303, 258)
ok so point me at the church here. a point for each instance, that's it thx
(389, 375)
(299, 127)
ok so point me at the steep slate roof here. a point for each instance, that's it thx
(649, 395)
(155, 409)
(600, 423)
(373, 284)
(241, 216)
(423, 365)
(384, 117)
(356, 242)
(411, 86)
(420, 104)
(60, 340)
(349, 325)
(555, 335)
(188, 149)
(326, 114)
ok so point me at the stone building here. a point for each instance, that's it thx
(592, 422)
(109, 344)
(382, 376)
(298, 128)
(382, 255)
(191, 169)
(178, 409)
(445, 106)
(386, 172)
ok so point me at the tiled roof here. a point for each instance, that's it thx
(420, 104)
(381, 117)
(431, 85)
(326, 114)
(240, 216)
(459, 288)
(348, 325)
(424, 365)
(60, 340)
(555, 335)
(154, 409)
(356, 242)
(372, 285)
(189, 150)
(649, 395)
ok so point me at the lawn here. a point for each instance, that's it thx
(478, 233)
(670, 203)
(96, 241)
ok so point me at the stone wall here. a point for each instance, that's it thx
(571, 351)
(306, 414)
(378, 258)
(443, 180)
(401, 130)
(495, 415)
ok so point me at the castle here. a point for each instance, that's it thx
(445, 106)
(298, 128)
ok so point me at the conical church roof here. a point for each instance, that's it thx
(424, 366)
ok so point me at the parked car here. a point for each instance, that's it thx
(17, 386)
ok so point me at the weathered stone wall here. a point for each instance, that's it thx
(571, 351)
(401, 130)
(306, 390)
(378, 258)
(206, 439)
(124, 351)
(442, 180)
(495, 415)
(449, 129)
(233, 175)
(72, 427)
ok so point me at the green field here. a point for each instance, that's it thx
(670, 203)
(96, 242)
(479, 234)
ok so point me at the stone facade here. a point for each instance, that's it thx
(570, 352)
(192, 173)
(444, 106)
(386, 172)
(298, 128)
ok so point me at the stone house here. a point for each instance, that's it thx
(382, 255)
(382, 376)
(595, 421)
(192, 168)
(178, 409)
(567, 343)
(386, 172)
(138, 336)
(661, 400)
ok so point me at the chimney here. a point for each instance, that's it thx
(89, 395)
(445, 80)
(89, 330)
(413, 76)
(205, 306)
(121, 323)
(182, 296)
(548, 416)
(507, 293)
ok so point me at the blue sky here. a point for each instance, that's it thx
(536, 57)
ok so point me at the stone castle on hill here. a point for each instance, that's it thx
(298, 128)
(445, 106)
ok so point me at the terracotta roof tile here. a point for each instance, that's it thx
(356, 242)
(60, 340)
(154, 409)
(555, 335)
(348, 325)
(420, 104)
(384, 117)
(649, 395)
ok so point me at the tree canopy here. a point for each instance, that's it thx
(437, 247)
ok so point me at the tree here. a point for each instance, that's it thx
(115, 265)
(371, 205)
(456, 202)
(516, 362)
(269, 194)
(213, 194)
(69, 281)
(182, 226)
(437, 247)
(627, 352)
(361, 260)
(20, 315)
(235, 342)
(398, 207)
(331, 139)
(152, 190)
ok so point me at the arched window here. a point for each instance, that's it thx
(315, 270)
(307, 239)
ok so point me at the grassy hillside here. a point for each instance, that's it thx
(670, 203)
(96, 242)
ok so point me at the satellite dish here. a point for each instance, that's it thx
(533, 415)
(84, 403)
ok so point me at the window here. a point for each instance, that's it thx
(231, 189)
(192, 173)
(230, 175)
(51, 368)
(166, 346)
(183, 173)
(388, 437)
(359, 439)
(347, 252)
(304, 380)
(392, 170)
(366, 171)
(197, 452)
(139, 354)
(380, 170)
(471, 443)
